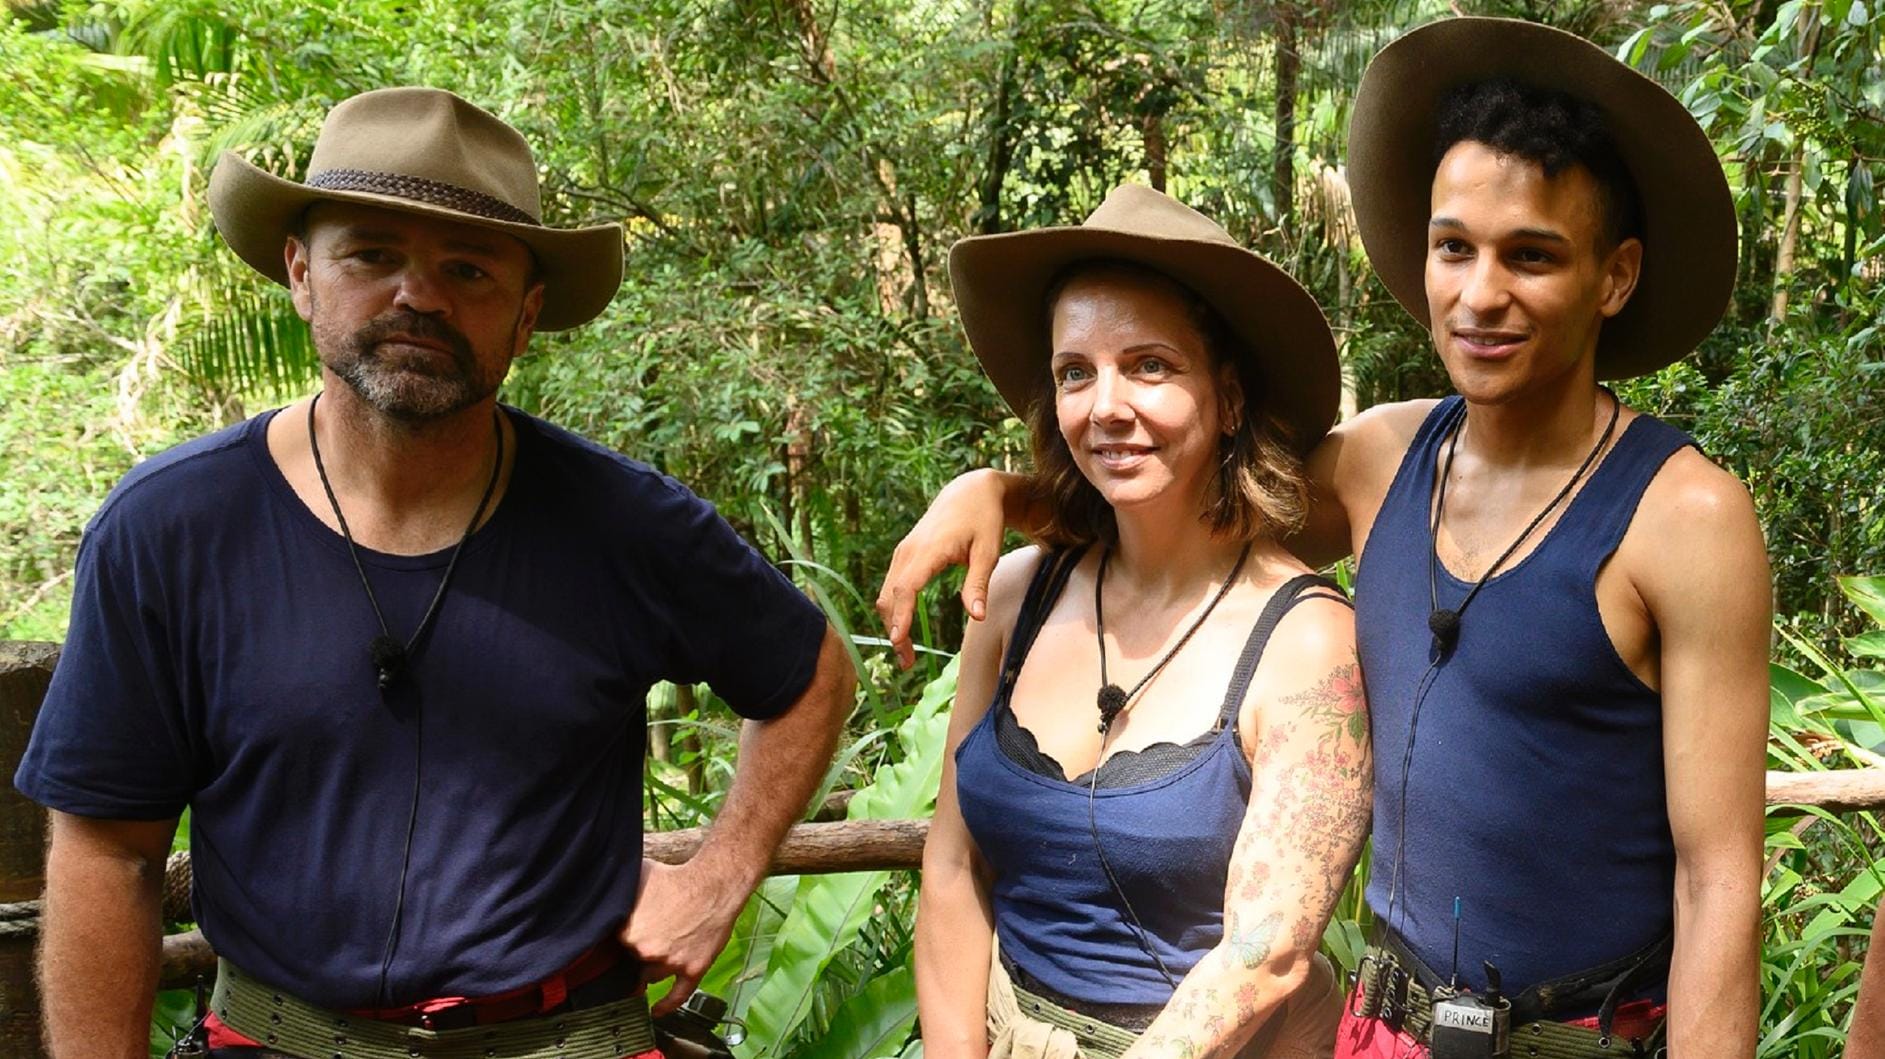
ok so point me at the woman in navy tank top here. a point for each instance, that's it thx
(1157, 782)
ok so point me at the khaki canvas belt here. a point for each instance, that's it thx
(295, 1027)
(1098, 1038)
(1390, 989)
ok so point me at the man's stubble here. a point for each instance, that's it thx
(414, 393)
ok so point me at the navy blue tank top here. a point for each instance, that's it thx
(1535, 793)
(1167, 839)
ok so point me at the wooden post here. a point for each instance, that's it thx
(25, 670)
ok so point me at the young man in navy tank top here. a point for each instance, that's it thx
(1569, 754)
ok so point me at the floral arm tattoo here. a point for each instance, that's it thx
(1304, 830)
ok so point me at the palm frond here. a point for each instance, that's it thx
(255, 342)
(182, 41)
(273, 133)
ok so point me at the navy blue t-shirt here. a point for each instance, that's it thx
(217, 658)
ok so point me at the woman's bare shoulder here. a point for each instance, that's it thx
(1310, 668)
(1008, 585)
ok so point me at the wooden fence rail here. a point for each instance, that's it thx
(816, 848)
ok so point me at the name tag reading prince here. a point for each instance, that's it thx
(1471, 1026)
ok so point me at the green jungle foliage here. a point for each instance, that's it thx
(791, 174)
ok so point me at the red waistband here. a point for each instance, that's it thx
(533, 999)
(522, 1002)
(1636, 1019)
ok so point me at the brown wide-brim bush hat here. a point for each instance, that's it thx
(1001, 286)
(424, 151)
(1689, 236)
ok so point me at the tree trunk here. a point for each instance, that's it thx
(913, 245)
(660, 735)
(1796, 170)
(1155, 150)
(1283, 158)
(1000, 148)
(798, 458)
(687, 740)
(25, 672)
(812, 41)
(1789, 232)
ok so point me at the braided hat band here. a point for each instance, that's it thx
(419, 189)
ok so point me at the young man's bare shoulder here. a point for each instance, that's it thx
(1695, 509)
(1693, 494)
(1383, 430)
(1360, 456)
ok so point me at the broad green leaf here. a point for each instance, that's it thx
(1781, 712)
(735, 974)
(830, 910)
(1785, 840)
(1867, 645)
(1867, 593)
(1786, 691)
(171, 1017)
(1631, 50)
(1870, 698)
(872, 1024)
(1784, 882)
(1791, 684)
(1867, 734)
(1855, 897)
(1345, 941)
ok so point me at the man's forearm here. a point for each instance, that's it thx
(1714, 977)
(781, 762)
(99, 944)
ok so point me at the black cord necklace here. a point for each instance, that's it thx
(1445, 622)
(389, 656)
(1113, 698)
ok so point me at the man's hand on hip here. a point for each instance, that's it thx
(682, 919)
(685, 912)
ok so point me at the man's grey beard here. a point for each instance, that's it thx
(404, 392)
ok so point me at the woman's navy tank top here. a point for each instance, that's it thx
(1167, 839)
(1535, 793)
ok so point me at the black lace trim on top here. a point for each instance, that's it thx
(1127, 768)
(1123, 769)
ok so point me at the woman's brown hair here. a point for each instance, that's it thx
(1260, 485)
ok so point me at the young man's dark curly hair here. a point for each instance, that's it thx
(1554, 130)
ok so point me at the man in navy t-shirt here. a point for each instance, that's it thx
(391, 645)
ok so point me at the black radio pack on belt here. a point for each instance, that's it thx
(1471, 1025)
